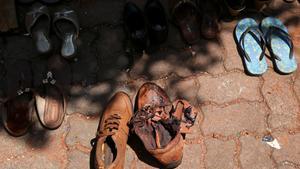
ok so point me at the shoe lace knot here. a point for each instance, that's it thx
(111, 125)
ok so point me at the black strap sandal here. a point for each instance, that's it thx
(37, 23)
(66, 27)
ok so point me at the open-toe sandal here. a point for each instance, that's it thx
(251, 46)
(50, 103)
(279, 44)
(38, 26)
(185, 14)
(18, 110)
(66, 27)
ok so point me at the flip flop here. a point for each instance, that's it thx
(66, 27)
(279, 44)
(37, 23)
(185, 14)
(17, 111)
(50, 103)
(251, 46)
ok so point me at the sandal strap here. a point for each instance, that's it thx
(260, 39)
(181, 2)
(32, 16)
(273, 30)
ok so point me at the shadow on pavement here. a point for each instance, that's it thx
(102, 65)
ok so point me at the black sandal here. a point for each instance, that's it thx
(37, 23)
(66, 27)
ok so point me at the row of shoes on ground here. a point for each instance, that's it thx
(252, 41)
(159, 124)
(65, 25)
(185, 14)
(22, 106)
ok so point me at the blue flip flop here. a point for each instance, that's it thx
(279, 44)
(251, 46)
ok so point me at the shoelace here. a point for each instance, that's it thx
(111, 124)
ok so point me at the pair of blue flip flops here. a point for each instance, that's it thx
(253, 39)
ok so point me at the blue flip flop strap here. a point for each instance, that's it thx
(283, 35)
(260, 40)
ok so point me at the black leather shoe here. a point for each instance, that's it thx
(135, 25)
(156, 21)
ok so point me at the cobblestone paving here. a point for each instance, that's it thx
(236, 110)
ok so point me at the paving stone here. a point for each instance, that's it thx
(192, 157)
(290, 150)
(228, 87)
(232, 119)
(286, 167)
(161, 64)
(35, 149)
(232, 60)
(90, 100)
(83, 130)
(281, 100)
(178, 88)
(78, 160)
(209, 57)
(11, 146)
(255, 154)
(219, 154)
(297, 84)
(33, 161)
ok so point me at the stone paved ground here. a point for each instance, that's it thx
(236, 110)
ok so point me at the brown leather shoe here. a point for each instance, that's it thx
(113, 132)
(185, 14)
(160, 125)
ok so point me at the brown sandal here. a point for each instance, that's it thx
(18, 109)
(185, 14)
(50, 103)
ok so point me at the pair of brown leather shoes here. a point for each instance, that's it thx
(158, 123)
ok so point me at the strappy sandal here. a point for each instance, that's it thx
(50, 103)
(251, 46)
(210, 26)
(66, 27)
(279, 44)
(185, 14)
(38, 23)
(17, 112)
